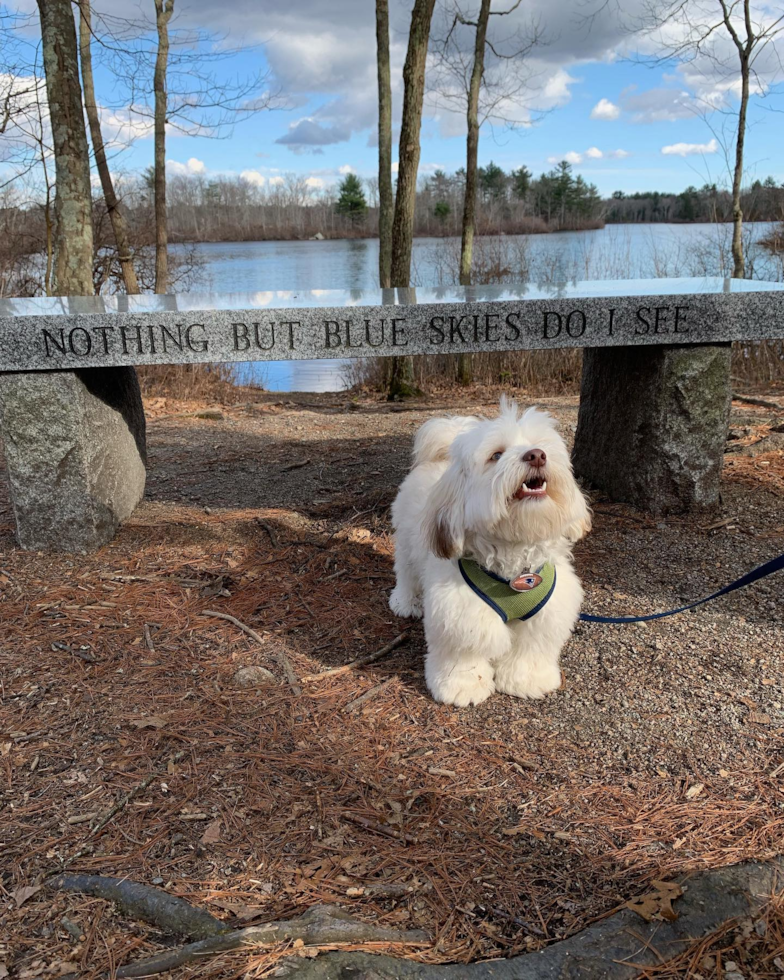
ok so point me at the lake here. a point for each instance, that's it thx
(614, 252)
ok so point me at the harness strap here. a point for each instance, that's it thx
(497, 592)
(768, 568)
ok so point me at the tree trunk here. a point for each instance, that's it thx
(73, 236)
(408, 154)
(386, 202)
(91, 108)
(401, 380)
(739, 265)
(163, 12)
(472, 145)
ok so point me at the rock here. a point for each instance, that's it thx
(253, 677)
(318, 237)
(653, 423)
(76, 453)
(211, 414)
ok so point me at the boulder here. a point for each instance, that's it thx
(653, 423)
(76, 454)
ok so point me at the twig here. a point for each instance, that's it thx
(271, 532)
(379, 828)
(288, 672)
(360, 661)
(230, 619)
(369, 695)
(121, 804)
(295, 466)
(337, 574)
(148, 638)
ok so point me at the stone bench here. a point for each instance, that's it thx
(654, 402)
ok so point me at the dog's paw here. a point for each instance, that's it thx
(522, 680)
(461, 689)
(404, 604)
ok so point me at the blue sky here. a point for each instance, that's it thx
(623, 125)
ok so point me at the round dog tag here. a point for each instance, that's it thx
(526, 582)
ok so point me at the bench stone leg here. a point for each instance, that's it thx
(76, 453)
(652, 425)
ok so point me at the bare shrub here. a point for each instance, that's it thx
(191, 382)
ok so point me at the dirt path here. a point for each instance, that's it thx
(497, 829)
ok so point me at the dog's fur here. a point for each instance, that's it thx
(458, 502)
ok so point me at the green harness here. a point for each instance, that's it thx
(529, 595)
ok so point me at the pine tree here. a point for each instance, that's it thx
(351, 201)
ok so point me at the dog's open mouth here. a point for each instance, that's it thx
(535, 486)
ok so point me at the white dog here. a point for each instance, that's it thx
(484, 527)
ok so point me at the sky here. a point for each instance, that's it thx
(587, 93)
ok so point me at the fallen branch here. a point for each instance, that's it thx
(270, 531)
(368, 695)
(322, 925)
(762, 402)
(171, 914)
(379, 828)
(231, 619)
(360, 661)
(295, 466)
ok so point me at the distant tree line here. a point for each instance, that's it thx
(762, 201)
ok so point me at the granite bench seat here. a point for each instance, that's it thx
(654, 399)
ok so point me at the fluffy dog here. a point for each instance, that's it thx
(501, 492)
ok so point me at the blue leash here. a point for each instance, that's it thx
(774, 565)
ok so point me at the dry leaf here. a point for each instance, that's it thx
(694, 791)
(212, 833)
(759, 718)
(522, 829)
(657, 903)
(3, 971)
(21, 895)
(153, 721)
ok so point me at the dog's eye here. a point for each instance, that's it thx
(496, 456)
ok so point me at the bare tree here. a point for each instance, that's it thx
(401, 369)
(116, 215)
(730, 38)
(462, 82)
(163, 13)
(73, 236)
(386, 203)
(409, 148)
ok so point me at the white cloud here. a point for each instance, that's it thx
(556, 90)
(346, 169)
(690, 149)
(254, 177)
(193, 166)
(660, 105)
(315, 183)
(604, 109)
(276, 181)
(592, 153)
(395, 167)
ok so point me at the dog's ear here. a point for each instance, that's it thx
(581, 518)
(444, 519)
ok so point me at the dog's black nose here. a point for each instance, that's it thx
(535, 457)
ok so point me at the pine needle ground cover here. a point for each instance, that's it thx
(256, 780)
